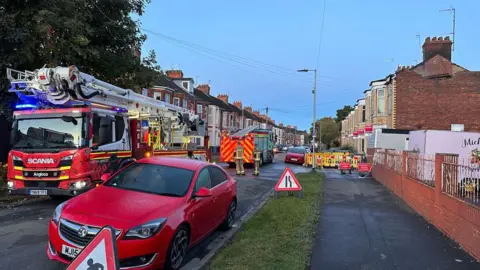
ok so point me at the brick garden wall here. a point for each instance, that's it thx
(425, 187)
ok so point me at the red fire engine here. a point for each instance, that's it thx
(70, 128)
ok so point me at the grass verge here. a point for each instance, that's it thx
(280, 235)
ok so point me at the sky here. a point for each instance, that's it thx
(251, 50)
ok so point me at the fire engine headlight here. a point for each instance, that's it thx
(57, 213)
(68, 157)
(79, 184)
(10, 185)
(16, 158)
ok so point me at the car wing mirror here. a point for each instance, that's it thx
(105, 177)
(203, 192)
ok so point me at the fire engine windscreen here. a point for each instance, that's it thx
(48, 133)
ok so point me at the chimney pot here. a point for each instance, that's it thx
(238, 104)
(174, 74)
(436, 46)
(223, 97)
(205, 88)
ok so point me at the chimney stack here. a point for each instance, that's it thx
(223, 97)
(280, 125)
(174, 74)
(434, 46)
(256, 113)
(238, 104)
(248, 109)
(205, 88)
(289, 126)
(273, 121)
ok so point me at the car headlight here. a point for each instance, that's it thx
(16, 158)
(58, 212)
(146, 230)
(68, 157)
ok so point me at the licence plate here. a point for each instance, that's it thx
(41, 192)
(70, 251)
(294, 159)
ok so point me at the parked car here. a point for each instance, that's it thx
(295, 155)
(159, 207)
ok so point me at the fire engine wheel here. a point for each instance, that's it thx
(59, 198)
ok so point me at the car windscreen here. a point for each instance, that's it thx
(152, 178)
(296, 150)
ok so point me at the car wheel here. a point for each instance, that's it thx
(230, 218)
(178, 249)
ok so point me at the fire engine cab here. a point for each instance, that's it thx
(70, 129)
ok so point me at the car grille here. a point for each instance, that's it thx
(69, 231)
(41, 184)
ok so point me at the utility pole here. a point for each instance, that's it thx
(266, 117)
(314, 92)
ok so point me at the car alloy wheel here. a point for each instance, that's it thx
(231, 214)
(179, 248)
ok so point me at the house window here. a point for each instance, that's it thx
(231, 120)
(176, 101)
(199, 111)
(224, 119)
(390, 98)
(167, 98)
(381, 101)
(185, 85)
(184, 105)
(363, 113)
(157, 95)
(210, 114)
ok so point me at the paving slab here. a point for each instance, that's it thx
(362, 225)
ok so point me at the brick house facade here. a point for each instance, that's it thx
(431, 95)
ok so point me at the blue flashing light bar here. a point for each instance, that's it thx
(25, 106)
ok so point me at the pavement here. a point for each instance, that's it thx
(364, 226)
(23, 229)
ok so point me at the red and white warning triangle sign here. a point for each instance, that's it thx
(99, 254)
(288, 182)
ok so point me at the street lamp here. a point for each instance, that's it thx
(314, 92)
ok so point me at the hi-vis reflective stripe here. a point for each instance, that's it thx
(247, 149)
(63, 168)
(106, 155)
(227, 149)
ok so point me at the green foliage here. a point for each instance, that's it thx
(99, 37)
(343, 113)
(328, 130)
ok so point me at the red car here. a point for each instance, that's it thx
(295, 155)
(159, 207)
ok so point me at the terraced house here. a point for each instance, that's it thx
(218, 112)
(434, 94)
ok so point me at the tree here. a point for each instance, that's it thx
(343, 113)
(328, 130)
(99, 37)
